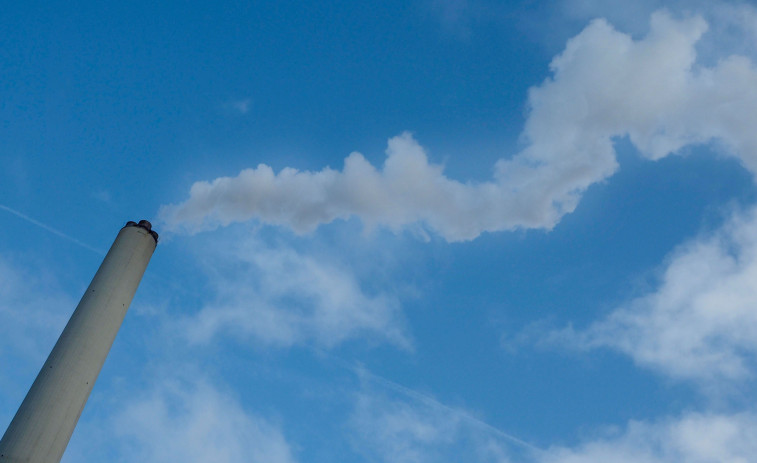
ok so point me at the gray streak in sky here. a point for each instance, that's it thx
(52, 230)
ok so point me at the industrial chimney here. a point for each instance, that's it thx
(43, 424)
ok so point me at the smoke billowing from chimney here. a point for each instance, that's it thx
(604, 85)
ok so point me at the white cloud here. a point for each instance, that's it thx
(732, 21)
(604, 85)
(103, 196)
(693, 438)
(279, 296)
(241, 106)
(394, 430)
(700, 322)
(403, 431)
(238, 107)
(193, 422)
(33, 311)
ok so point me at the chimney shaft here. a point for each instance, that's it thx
(43, 424)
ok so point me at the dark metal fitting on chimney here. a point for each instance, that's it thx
(145, 225)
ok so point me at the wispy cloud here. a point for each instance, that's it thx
(241, 106)
(604, 85)
(102, 196)
(693, 438)
(33, 310)
(275, 295)
(700, 322)
(404, 429)
(394, 429)
(427, 401)
(192, 421)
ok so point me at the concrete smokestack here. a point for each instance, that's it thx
(43, 424)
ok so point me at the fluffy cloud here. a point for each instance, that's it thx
(193, 422)
(733, 21)
(408, 189)
(279, 296)
(700, 322)
(604, 85)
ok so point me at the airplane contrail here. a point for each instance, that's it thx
(428, 400)
(52, 230)
(362, 372)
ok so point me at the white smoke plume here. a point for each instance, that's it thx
(604, 85)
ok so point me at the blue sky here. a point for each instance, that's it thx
(420, 231)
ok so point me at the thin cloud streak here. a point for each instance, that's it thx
(428, 400)
(364, 374)
(422, 430)
(52, 230)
